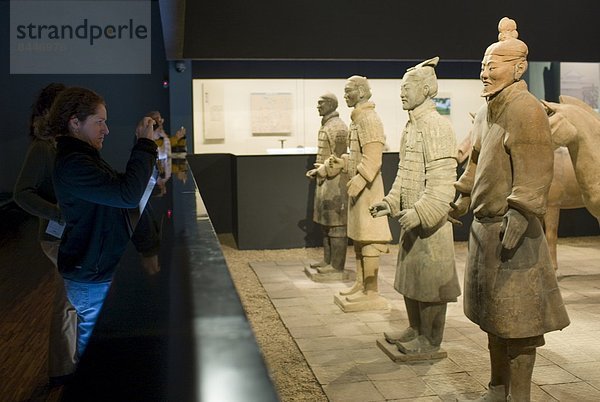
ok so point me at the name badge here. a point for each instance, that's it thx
(55, 229)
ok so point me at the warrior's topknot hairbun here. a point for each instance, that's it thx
(508, 29)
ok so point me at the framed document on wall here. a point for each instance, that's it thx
(271, 113)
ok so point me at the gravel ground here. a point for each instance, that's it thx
(293, 378)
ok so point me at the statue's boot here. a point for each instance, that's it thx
(414, 322)
(495, 393)
(326, 253)
(500, 373)
(418, 345)
(521, 370)
(433, 321)
(401, 336)
(358, 281)
(339, 248)
(370, 271)
(327, 269)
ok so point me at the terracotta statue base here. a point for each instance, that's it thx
(332, 275)
(391, 350)
(374, 302)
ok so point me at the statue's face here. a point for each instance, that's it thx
(496, 74)
(351, 94)
(412, 92)
(324, 106)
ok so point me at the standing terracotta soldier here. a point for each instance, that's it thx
(510, 287)
(365, 186)
(419, 199)
(330, 208)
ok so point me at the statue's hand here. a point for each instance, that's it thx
(380, 209)
(459, 208)
(335, 163)
(318, 171)
(409, 219)
(513, 227)
(311, 173)
(355, 185)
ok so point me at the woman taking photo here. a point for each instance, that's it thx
(93, 199)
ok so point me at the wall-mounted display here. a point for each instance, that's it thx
(443, 104)
(256, 115)
(213, 122)
(581, 81)
(271, 113)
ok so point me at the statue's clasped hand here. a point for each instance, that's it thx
(355, 185)
(379, 209)
(409, 219)
(312, 173)
(334, 162)
(459, 208)
(514, 225)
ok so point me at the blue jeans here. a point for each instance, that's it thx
(87, 298)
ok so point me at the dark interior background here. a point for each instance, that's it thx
(555, 30)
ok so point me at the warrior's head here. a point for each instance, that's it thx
(327, 104)
(357, 90)
(504, 61)
(419, 84)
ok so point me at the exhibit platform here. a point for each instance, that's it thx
(341, 348)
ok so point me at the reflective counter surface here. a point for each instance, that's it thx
(172, 327)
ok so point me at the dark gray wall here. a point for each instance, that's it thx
(267, 202)
(214, 175)
(275, 202)
(128, 98)
(555, 30)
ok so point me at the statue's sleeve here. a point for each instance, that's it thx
(529, 144)
(434, 204)
(372, 141)
(464, 185)
(394, 197)
(440, 172)
(370, 163)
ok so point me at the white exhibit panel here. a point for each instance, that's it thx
(213, 118)
(279, 116)
(271, 113)
(582, 81)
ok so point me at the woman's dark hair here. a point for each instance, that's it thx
(40, 107)
(72, 102)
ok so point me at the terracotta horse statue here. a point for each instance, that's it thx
(575, 126)
(564, 193)
(576, 183)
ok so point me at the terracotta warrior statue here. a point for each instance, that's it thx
(419, 199)
(510, 287)
(330, 207)
(365, 187)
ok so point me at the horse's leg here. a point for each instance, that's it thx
(551, 228)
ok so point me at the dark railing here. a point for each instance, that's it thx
(179, 334)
